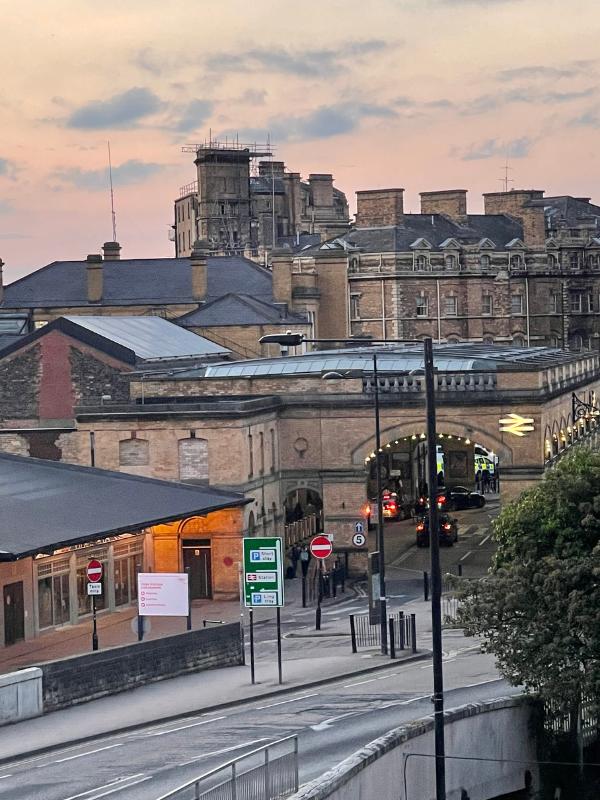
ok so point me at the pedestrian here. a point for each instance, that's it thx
(304, 559)
(478, 480)
(294, 556)
(485, 479)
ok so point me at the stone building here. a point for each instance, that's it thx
(526, 272)
(240, 204)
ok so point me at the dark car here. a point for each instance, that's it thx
(394, 506)
(459, 498)
(456, 499)
(448, 531)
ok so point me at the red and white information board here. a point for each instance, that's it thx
(321, 547)
(163, 594)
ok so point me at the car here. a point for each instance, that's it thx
(459, 498)
(394, 507)
(448, 531)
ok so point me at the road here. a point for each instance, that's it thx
(332, 721)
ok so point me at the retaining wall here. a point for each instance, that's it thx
(399, 766)
(69, 681)
(20, 695)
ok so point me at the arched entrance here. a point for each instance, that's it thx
(301, 503)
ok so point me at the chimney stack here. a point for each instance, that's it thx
(199, 269)
(526, 205)
(112, 251)
(378, 207)
(95, 278)
(451, 202)
(321, 189)
(281, 262)
(1, 282)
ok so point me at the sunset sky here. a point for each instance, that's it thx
(425, 94)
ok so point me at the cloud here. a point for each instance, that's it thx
(494, 148)
(571, 70)
(149, 61)
(328, 121)
(6, 207)
(528, 95)
(193, 116)
(301, 63)
(119, 111)
(8, 169)
(589, 119)
(254, 97)
(127, 173)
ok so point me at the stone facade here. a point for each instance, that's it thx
(20, 380)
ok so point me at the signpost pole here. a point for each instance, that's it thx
(95, 630)
(189, 616)
(251, 615)
(279, 645)
(319, 597)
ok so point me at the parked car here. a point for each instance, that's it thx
(448, 531)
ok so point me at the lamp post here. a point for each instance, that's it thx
(290, 339)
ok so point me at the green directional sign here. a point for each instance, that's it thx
(263, 572)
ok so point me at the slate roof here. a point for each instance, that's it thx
(435, 228)
(262, 184)
(239, 309)
(57, 504)
(566, 208)
(136, 281)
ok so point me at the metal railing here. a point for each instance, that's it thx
(402, 632)
(267, 773)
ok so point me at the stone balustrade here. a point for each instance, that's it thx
(446, 382)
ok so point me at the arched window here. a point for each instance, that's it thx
(134, 453)
(576, 343)
(552, 260)
(485, 262)
(488, 339)
(516, 261)
(421, 262)
(574, 260)
(251, 524)
(519, 341)
(450, 261)
(193, 460)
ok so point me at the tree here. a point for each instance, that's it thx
(538, 610)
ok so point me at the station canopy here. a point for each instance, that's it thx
(46, 505)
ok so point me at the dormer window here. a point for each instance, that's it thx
(421, 262)
(450, 261)
(574, 260)
(516, 261)
(485, 262)
(552, 260)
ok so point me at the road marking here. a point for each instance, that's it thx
(327, 723)
(2, 777)
(120, 788)
(87, 753)
(119, 781)
(184, 727)
(360, 683)
(224, 750)
(466, 555)
(483, 541)
(283, 702)
(405, 702)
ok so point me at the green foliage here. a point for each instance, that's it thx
(538, 611)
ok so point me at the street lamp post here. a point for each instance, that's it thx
(293, 340)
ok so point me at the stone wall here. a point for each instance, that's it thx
(20, 695)
(70, 681)
(20, 381)
(92, 378)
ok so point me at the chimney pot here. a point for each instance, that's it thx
(112, 251)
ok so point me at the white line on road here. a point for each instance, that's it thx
(359, 683)
(221, 752)
(406, 702)
(327, 723)
(120, 788)
(184, 727)
(2, 777)
(116, 783)
(87, 753)
(483, 541)
(466, 555)
(283, 702)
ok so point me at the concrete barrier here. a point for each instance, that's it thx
(399, 765)
(69, 681)
(20, 695)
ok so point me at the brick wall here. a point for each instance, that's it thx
(193, 460)
(20, 381)
(70, 681)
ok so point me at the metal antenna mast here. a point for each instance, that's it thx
(112, 197)
(506, 180)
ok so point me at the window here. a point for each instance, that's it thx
(552, 260)
(576, 343)
(554, 341)
(574, 260)
(518, 341)
(487, 305)
(422, 306)
(576, 302)
(421, 262)
(450, 306)
(193, 460)
(355, 306)
(189, 207)
(488, 339)
(450, 261)
(554, 302)
(53, 593)
(262, 452)
(516, 304)
(516, 261)
(485, 262)
(250, 456)
(273, 452)
(590, 302)
(133, 454)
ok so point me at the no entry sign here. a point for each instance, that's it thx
(94, 571)
(321, 547)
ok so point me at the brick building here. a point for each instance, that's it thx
(526, 272)
(240, 204)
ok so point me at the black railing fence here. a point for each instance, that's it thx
(402, 633)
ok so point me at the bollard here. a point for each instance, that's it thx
(401, 625)
(392, 638)
(425, 586)
(460, 570)
(413, 632)
(353, 634)
(318, 619)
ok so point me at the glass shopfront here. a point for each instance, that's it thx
(62, 582)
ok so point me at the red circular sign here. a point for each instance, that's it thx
(94, 571)
(321, 547)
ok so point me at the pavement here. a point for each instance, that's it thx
(309, 657)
